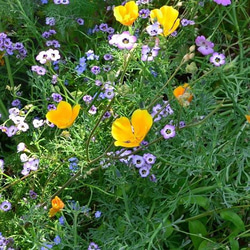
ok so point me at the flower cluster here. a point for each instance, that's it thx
(6, 45)
(6, 243)
(73, 164)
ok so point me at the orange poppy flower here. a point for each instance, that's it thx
(57, 206)
(248, 118)
(167, 16)
(131, 134)
(126, 14)
(64, 116)
(183, 95)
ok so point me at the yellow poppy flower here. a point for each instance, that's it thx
(131, 134)
(183, 95)
(167, 16)
(64, 116)
(57, 206)
(248, 118)
(126, 14)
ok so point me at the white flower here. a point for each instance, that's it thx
(37, 123)
(20, 147)
(24, 157)
(53, 55)
(17, 119)
(42, 57)
(23, 126)
(14, 111)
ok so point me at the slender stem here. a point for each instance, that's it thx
(95, 127)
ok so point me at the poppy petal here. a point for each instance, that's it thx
(121, 130)
(141, 121)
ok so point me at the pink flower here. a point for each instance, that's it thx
(223, 2)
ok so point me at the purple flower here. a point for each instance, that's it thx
(149, 158)
(93, 246)
(50, 21)
(80, 21)
(5, 206)
(110, 30)
(154, 29)
(103, 27)
(87, 99)
(152, 178)
(168, 131)
(144, 13)
(57, 240)
(106, 68)
(93, 110)
(223, 2)
(217, 59)
(205, 46)
(148, 54)
(51, 107)
(98, 214)
(108, 57)
(138, 161)
(109, 93)
(95, 70)
(16, 102)
(11, 131)
(56, 97)
(144, 171)
(33, 195)
(123, 41)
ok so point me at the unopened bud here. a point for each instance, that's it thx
(191, 56)
(179, 4)
(192, 49)
(186, 58)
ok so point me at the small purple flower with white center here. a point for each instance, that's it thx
(98, 214)
(50, 21)
(33, 194)
(168, 131)
(93, 110)
(138, 161)
(103, 27)
(5, 206)
(126, 156)
(54, 79)
(144, 171)
(12, 130)
(87, 99)
(109, 93)
(126, 41)
(152, 178)
(80, 21)
(95, 70)
(107, 115)
(144, 13)
(157, 108)
(93, 246)
(98, 83)
(217, 59)
(56, 97)
(169, 110)
(108, 57)
(174, 34)
(39, 70)
(16, 103)
(148, 54)
(110, 30)
(186, 22)
(51, 107)
(149, 158)
(154, 29)
(205, 47)
(182, 124)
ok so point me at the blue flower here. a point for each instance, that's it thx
(98, 214)
(57, 240)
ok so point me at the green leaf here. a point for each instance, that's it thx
(169, 229)
(198, 199)
(234, 218)
(196, 227)
(234, 244)
(207, 245)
